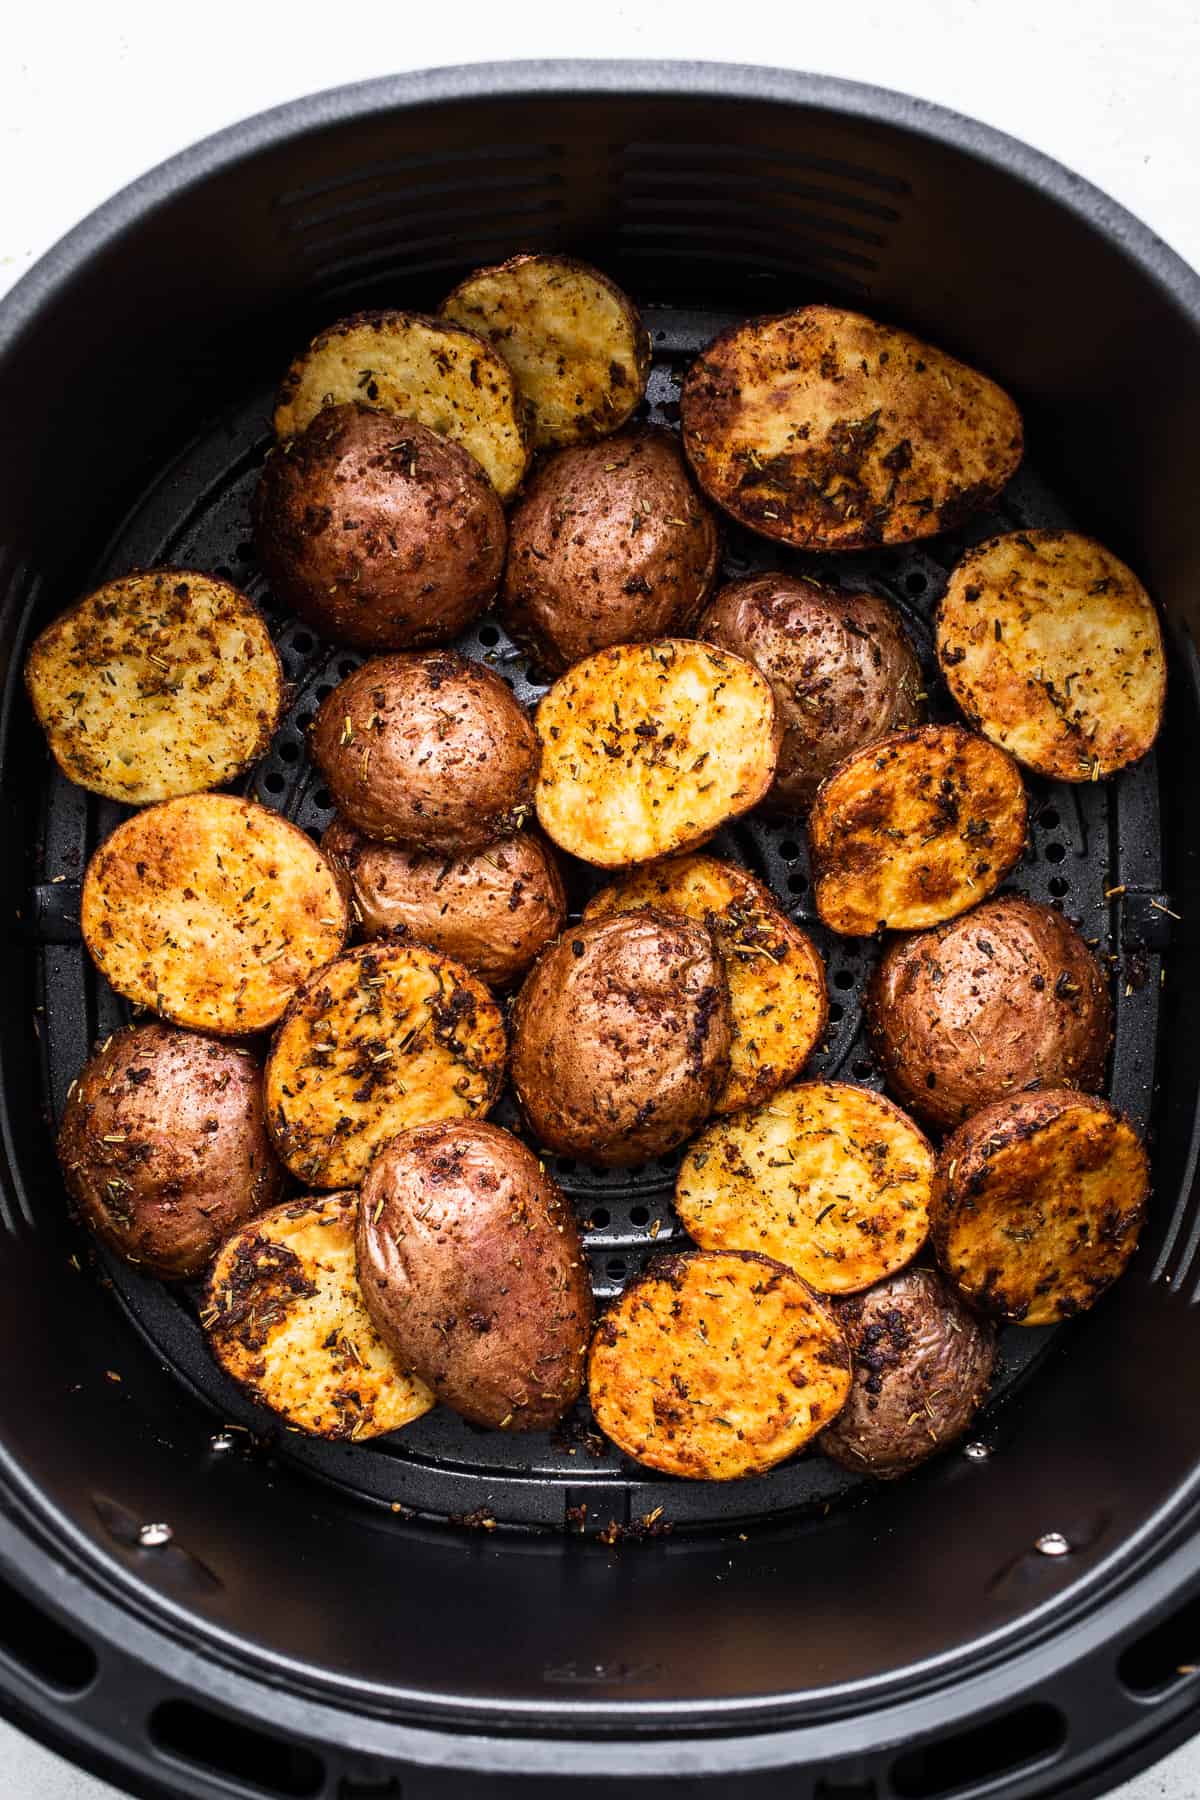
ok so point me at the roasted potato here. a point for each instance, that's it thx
(832, 432)
(610, 545)
(779, 1005)
(156, 685)
(388, 1036)
(648, 748)
(1037, 1204)
(211, 911)
(1006, 997)
(430, 751)
(621, 1037)
(716, 1364)
(1052, 648)
(574, 341)
(922, 1364)
(412, 367)
(473, 1271)
(285, 1318)
(842, 671)
(493, 910)
(377, 531)
(914, 830)
(832, 1180)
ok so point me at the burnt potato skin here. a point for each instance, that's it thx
(378, 532)
(621, 1037)
(164, 1146)
(922, 1364)
(472, 1269)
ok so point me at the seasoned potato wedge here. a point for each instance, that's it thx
(415, 368)
(1037, 1204)
(648, 748)
(156, 685)
(1052, 648)
(778, 1001)
(829, 431)
(716, 1364)
(574, 341)
(832, 1180)
(211, 911)
(914, 830)
(285, 1318)
(387, 1036)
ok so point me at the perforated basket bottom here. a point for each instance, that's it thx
(197, 515)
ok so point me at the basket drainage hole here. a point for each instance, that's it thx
(303, 642)
(209, 1740)
(599, 1218)
(1059, 886)
(1166, 1655)
(274, 782)
(489, 637)
(639, 1215)
(1055, 852)
(1049, 818)
(616, 1268)
(797, 882)
(915, 583)
(37, 1643)
(789, 850)
(836, 1014)
(863, 1070)
(1030, 1734)
(323, 800)
(844, 978)
(289, 752)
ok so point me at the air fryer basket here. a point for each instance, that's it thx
(414, 1617)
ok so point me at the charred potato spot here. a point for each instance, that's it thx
(1052, 648)
(714, 1365)
(833, 1181)
(914, 830)
(156, 685)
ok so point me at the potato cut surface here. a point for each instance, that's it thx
(211, 911)
(717, 1364)
(156, 685)
(285, 1318)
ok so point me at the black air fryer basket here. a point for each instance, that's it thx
(194, 1604)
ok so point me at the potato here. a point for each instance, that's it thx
(1037, 1204)
(493, 910)
(779, 1005)
(164, 1148)
(621, 1037)
(473, 1271)
(412, 367)
(211, 911)
(1052, 648)
(648, 748)
(573, 340)
(430, 751)
(831, 1180)
(610, 545)
(155, 685)
(842, 671)
(377, 531)
(914, 829)
(285, 1318)
(922, 1365)
(1006, 997)
(716, 1364)
(831, 432)
(387, 1036)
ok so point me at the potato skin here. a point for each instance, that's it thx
(164, 1146)
(621, 1037)
(610, 545)
(427, 750)
(473, 1272)
(1005, 997)
(922, 1363)
(841, 667)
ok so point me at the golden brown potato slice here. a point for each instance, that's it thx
(829, 1179)
(1052, 648)
(829, 431)
(211, 911)
(717, 1364)
(285, 1318)
(574, 341)
(648, 748)
(155, 685)
(914, 829)
(416, 368)
(1037, 1204)
(777, 995)
(390, 1035)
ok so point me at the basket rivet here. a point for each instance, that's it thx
(221, 1443)
(153, 1537)
(1053, 1544)
(976, 1452)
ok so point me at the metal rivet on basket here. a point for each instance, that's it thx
(221, 1443)
(153, 1537)
(1053, 1544)
(976, 1452)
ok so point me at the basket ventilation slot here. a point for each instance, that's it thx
(42, 1647)
(1165, 1656)
(964, 1763)
(210, 1741)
